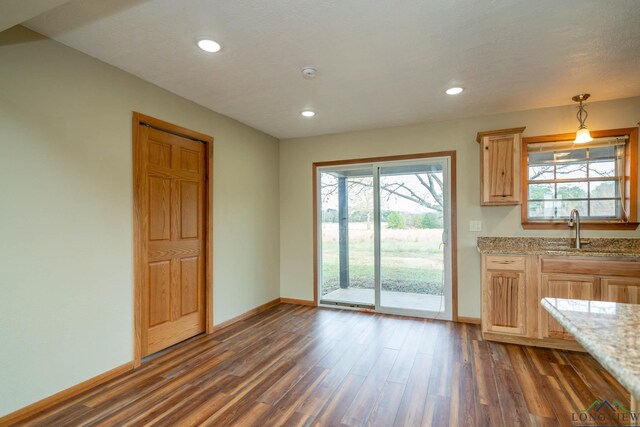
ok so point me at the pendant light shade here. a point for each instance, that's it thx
(583, 135)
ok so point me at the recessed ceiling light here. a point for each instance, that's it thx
(454, 90)
(309, 73)
(209, 45)
(308, 113)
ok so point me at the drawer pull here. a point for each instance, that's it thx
(505, 262)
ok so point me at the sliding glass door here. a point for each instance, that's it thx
(347, 218)
(383, 232)
(412, 252)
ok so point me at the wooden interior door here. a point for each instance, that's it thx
(172, 238)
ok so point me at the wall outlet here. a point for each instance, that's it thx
(475, 226)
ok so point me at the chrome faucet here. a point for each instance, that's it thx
(574, 219)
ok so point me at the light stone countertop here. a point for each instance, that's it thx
(609, 331)
(594, 247)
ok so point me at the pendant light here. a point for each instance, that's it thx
(583, 135)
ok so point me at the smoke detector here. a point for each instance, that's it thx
(309, 73)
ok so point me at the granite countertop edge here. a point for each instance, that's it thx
(628, 380)
(559, 252)
(559, 246)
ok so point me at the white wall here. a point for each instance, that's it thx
(66, 292)
(298, 155)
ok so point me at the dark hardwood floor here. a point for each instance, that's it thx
(294, 365)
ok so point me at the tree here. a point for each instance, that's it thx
(330, 215)
(395, 220)
(604, 189)
(431, 185)
(540, 191)
(571, 192)
(431, 220)
(424, 189)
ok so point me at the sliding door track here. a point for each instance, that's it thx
(347, 304)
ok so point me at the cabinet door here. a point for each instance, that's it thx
(504, 301)
(500, 170)
(563, 286)
(620, 289)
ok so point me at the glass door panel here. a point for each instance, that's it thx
(347, 237)
(383, 230)
(412, 227)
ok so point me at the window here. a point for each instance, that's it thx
(596, 178)
(587, 179)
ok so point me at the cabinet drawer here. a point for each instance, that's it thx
(505, 262)
(594, 266)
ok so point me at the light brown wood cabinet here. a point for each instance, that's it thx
(504, 296)
(513, 285)
(505, 302)
(500, 166)
(569, 286)
(620, 289)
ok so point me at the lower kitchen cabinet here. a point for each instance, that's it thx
(621, 289)
(569, 286)
(513, 285)
(505, 302)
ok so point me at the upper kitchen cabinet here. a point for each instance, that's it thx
(500, 166)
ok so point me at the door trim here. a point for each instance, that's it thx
(454, 217)
(139, 119)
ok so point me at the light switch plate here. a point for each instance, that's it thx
(475, 225)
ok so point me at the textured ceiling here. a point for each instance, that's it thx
(14, 12)
(380, 63)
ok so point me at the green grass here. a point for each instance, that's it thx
(412, 260)
(396, 279)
